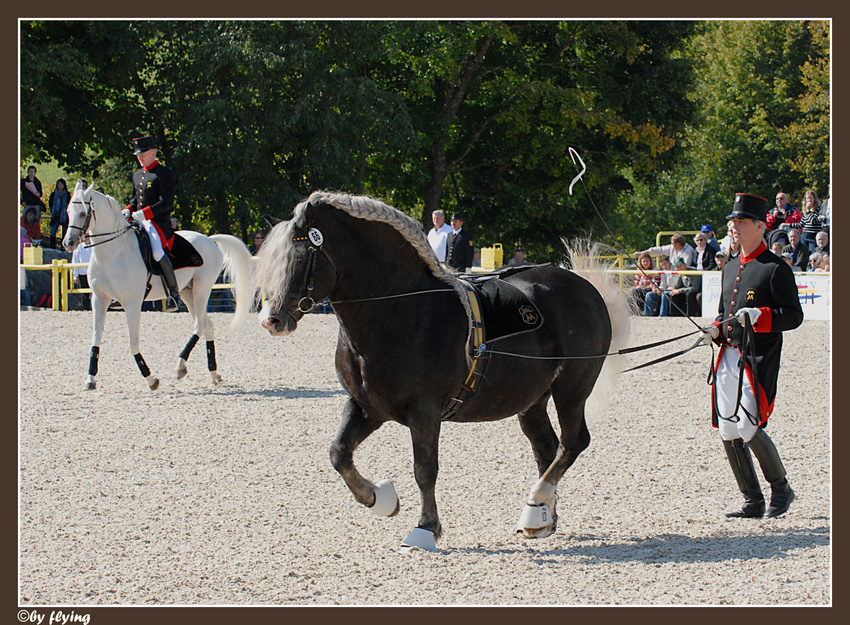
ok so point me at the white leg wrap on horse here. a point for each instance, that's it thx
(535, 521)
(90, 383)
(419, 538)
(386, 499)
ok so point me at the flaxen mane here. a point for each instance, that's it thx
(278, 257)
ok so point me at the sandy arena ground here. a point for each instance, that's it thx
(199, 495)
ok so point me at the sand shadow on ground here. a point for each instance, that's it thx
(269, 393)
(764, 543)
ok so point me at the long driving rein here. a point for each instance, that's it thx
(306, 304)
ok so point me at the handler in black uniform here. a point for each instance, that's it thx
(459, 244)
(151, 204)
(758, 302)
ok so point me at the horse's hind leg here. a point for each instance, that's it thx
(356, 426)
(574, 439)
(538, 429)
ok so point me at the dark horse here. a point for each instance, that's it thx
(405, 353)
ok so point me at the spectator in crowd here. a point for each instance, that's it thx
(822, 242)
(31, 223)
(815, 261)
(824, 210)
(678, 248)
(704, 253)
(438, 235)
(799, 252)
(175, 225)
(778, 247)
(721, 260)
(82, 254)
(258, 242)
(786, 256)
(460, 247)
(58, 204)
(667, 278)
(824, 264)
(783, 215)
(686, 295)
(476, 257)
(518, 259)
(26, 296)
(811, 222)
(25, 239)
(712, 241)
(644, 283)
(31, 193)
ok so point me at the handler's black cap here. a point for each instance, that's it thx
(749, 207)
(456, 216)
(143, 144)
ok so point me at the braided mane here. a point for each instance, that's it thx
(277, 258)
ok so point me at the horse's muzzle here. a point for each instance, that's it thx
(280, 323)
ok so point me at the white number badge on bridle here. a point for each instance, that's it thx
(316, 237)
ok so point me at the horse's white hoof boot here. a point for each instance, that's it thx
(535, 521)
(181, 369)
(153, 383)
(90, 383)
(419, 538)
(386, 499)
(216, 378)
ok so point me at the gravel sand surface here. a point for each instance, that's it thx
(198, 495)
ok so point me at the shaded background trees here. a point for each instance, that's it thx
(671, 117)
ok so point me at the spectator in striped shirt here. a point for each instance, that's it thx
(811, 221)
(643, 284)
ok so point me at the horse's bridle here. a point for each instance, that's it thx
(84, 228)
(306, 303)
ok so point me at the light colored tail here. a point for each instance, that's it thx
(238, 270)
(583, 257)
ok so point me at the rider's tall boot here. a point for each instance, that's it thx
(774, 472)
(172, 302)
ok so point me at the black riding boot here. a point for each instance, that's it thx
(774, 472)
(745, 474)
(172, 302)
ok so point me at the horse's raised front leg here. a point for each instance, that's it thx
(425, 434)
(356, 426)
(133, 312)
(99, 306)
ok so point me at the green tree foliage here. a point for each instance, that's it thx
(762, 92)
(670, 117)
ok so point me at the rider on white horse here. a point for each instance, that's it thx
(150, 205)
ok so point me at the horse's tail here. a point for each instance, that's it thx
(584, 258)
(238, 270)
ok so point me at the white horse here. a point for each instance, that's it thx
(117, 271)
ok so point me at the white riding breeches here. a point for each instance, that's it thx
(726, 395)
(156, 243)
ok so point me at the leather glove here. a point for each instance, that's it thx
(710, 334)
(752, 313)
(128, 214)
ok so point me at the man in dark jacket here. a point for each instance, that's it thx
(150, 205)
(758, 302)
(460, 247)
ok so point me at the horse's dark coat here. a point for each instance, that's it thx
(402, 359)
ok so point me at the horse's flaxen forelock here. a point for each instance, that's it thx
(276, 260)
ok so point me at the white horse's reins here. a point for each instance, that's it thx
(89, 213)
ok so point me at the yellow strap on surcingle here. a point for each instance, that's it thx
(477, 332)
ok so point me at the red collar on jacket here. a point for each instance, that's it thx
(151, 166)
(745, 258)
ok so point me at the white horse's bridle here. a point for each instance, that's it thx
(84, 229)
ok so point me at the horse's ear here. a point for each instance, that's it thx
(272, 221)
(80, 186)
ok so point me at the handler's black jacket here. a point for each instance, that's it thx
(460, 250)
(153, 193)
(760, 280)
